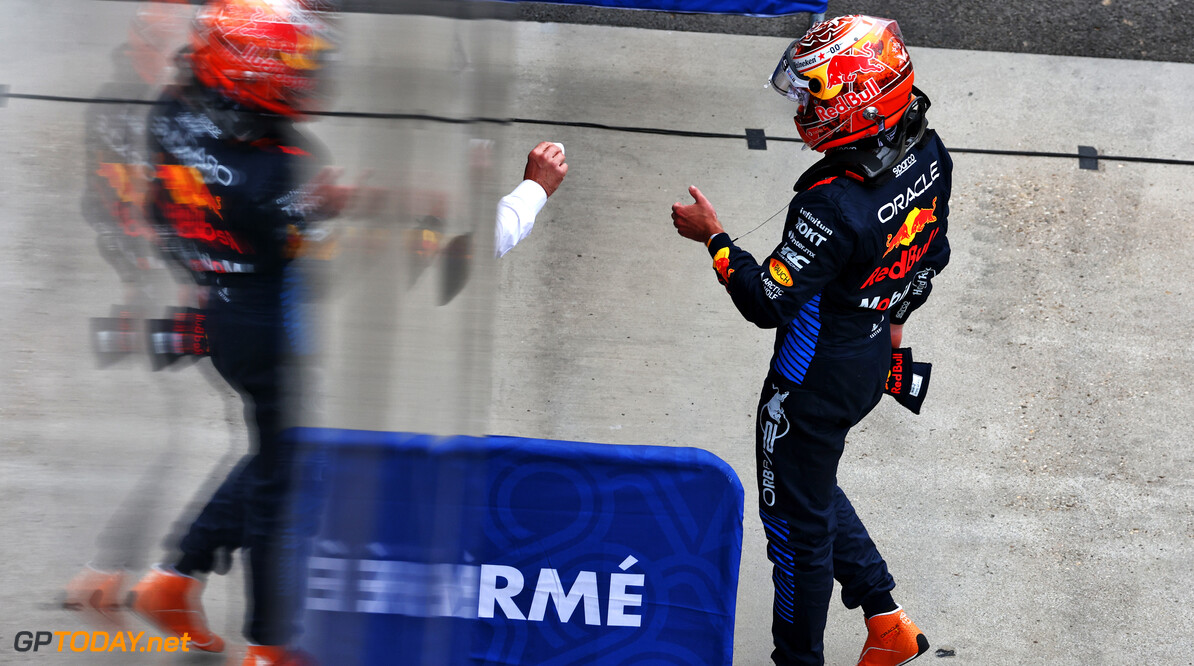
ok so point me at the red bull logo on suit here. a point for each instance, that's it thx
(913, 224)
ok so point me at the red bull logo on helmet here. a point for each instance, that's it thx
(845, 67)
(836, 52)
(848, 102)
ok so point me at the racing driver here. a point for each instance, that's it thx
(865, 234)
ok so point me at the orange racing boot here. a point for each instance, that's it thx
(892, 639)
(275, 655)
(170, 602)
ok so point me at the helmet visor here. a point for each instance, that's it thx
(787, 82)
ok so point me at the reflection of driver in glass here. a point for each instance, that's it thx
(118, 173)
(230, 193)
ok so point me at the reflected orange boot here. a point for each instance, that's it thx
(275, 655)
(892, 639)
(170, 601)
(97, 593)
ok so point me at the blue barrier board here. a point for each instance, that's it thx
(505, 550)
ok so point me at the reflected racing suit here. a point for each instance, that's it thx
(230, 210)
(855, 257)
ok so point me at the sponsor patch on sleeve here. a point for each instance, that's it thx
(779, 272)
(792, 258)
(721, 264)
(771, 289)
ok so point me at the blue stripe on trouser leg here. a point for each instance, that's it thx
(798, 442)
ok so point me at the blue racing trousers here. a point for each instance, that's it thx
(813, 534)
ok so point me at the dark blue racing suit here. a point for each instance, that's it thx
(230, 210)
(855, 257)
